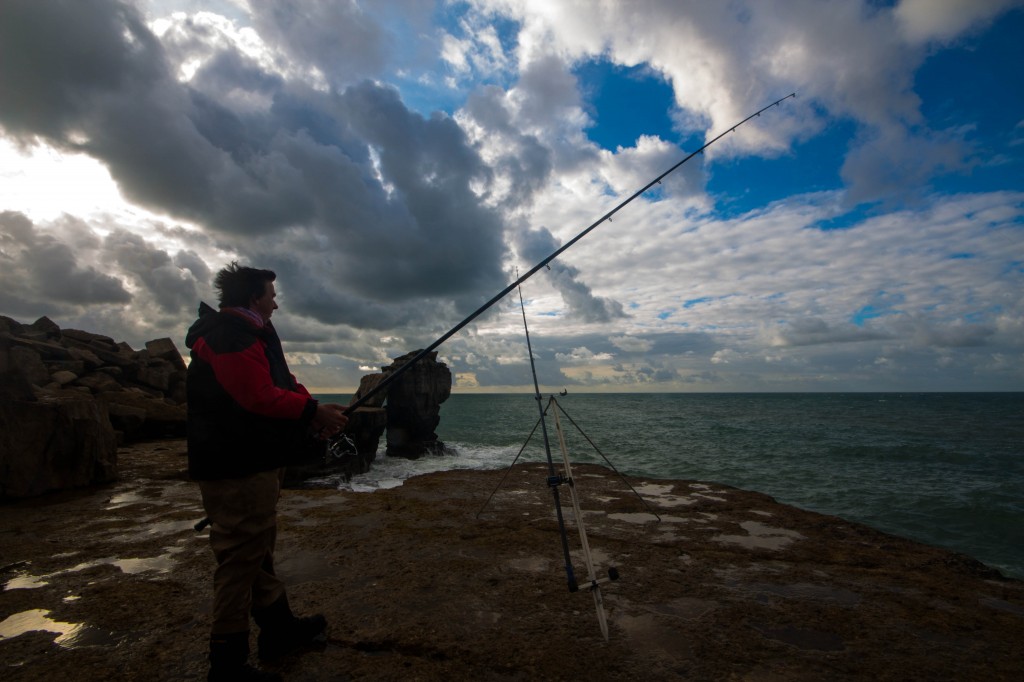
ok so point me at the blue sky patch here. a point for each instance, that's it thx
(696, 301)
(743, 184)
(625, 103)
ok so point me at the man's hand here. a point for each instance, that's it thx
(329, 420)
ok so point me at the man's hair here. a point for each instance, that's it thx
(237, 284)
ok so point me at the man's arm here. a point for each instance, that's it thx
(245, 375)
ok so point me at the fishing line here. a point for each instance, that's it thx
(391, 378)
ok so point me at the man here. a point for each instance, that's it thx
(246, 415)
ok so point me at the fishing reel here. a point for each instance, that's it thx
(341, 446)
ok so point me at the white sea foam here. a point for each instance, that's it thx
(391, 472)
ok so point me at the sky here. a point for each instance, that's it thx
(396, 163)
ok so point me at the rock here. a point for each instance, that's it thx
(364, 429)
(54, 443)
(414, 406)
(29, 364)
(87, 358)
(63, 377)
(99, 382)
(163, 419)
(66, 370)
(165, 349)
(367, 384)
(47, 327)
(126, 419)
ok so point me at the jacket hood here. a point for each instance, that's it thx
(208, 320)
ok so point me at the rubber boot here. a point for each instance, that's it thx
(282, 633)
(229, 655)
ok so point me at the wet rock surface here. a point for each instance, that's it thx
(112, 583)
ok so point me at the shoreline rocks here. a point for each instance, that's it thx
(96, 393)
(69, 397)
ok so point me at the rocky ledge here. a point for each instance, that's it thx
(417, 582)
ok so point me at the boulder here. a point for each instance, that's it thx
(54, 443)
(414, 406)
(164, 349)
(163, 419)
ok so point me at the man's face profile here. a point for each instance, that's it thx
(265, 305)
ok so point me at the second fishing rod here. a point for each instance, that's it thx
(391, 378)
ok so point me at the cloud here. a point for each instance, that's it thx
(944, 20)
(43, 275)
(172, 287)
(340, 39)
(391, 194)
(893, 163)
(815, 331)
(536, 245)
(582, 355)
(631, 344)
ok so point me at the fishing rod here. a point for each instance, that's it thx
(391, 378)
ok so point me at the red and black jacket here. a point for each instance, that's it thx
(246, 412)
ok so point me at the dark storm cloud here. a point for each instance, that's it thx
(41, 272)
(390, 194)
(435, 237)
(189, 260)
(171, 287)
(339, 38)
(536, 245)
(525, 161)
(58, 59)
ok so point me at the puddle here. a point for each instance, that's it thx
(149, 530)
(636, 517)
(761, 536)
(161, 564)
(125, 499)
(662, 495)
(69, 635)
(25, 582)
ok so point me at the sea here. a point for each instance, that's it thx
(946, 469)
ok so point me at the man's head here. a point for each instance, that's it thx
(244, 287)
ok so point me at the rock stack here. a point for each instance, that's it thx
(414, 406)
(68, 398)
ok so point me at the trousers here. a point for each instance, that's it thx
(243, 531)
